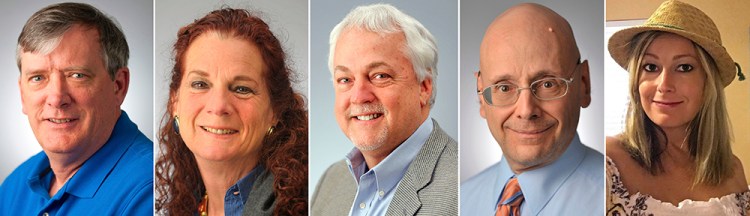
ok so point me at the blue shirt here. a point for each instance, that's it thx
(236, 195)
(375, 188)
(571, 185)
(116, 180)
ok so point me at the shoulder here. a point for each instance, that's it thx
(738, 181)
(592, 166)
(479, 193)
(616, 151)
(138, 159)
(337, 176)
(335, 191)
(17, 180)
(439, 135)
(614, 146)
(480, 181)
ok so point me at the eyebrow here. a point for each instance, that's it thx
(67, 69)
(537, 75)
(376, 65)
(369, 67)
(198, 73)
(340, 68)
(235, 78)
(675, 57)
(76, 68)
(244, 78)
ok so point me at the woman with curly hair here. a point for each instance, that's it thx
(234, 139)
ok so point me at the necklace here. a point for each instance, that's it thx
(203, 206)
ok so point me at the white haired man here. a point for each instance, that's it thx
(383, 64)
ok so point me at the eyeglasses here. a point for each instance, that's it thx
(504, 94)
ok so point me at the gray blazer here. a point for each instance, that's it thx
(429, 186)
(261, 200)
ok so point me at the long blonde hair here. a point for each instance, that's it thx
(709, 134)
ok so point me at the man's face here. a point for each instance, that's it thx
(531, 132)
(379, 102)
(70, 100)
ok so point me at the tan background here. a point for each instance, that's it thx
(732, 17)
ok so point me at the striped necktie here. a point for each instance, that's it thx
(512, 197)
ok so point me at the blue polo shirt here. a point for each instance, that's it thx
(116, 180)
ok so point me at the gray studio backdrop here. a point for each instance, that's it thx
(327, 143)
(479, 149)
(135, 19)
(287, 19)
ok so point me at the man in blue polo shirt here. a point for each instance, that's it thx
(74, 77)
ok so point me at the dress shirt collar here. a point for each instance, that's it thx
(539, 185)
(392, 169)
(88, 179)
(243, 188)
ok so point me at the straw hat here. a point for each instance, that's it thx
(684, 20)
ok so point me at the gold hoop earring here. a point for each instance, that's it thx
(270, 131)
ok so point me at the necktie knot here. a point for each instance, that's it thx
(511, 199)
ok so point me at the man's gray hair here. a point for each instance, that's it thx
(420, 46)
(43, 31)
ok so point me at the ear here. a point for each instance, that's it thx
(585, 90)
(477, 75)
(425, 91)
(173, 99)
(23, 105)
(122, 81)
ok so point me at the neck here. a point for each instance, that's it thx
(218, 176)
(676, 144)
(677, 138)
(65, 165)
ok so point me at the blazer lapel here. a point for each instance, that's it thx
(406, 200)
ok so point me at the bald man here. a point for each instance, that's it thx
(532, 85)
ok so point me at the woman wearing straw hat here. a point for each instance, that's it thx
(674, 156)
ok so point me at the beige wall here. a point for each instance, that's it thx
(732, 17)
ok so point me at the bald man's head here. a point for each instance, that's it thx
(529, 27)
(530, 47)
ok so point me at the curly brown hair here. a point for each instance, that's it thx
(284, 152)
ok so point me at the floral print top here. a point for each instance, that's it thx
(621, 202)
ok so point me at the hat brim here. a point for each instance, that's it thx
(619, 48)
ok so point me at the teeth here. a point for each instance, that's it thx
(368, 117)
(219, 131)
(59, 120)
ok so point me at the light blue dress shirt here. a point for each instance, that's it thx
(116, 180)
(236, 195)
(572, 185)
(376, 187)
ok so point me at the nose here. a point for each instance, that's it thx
(58, 92)
(362, 93)
(527, 106)
(218, 102)
(665, 82)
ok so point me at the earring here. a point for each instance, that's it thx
(270, 131)
(176, 125)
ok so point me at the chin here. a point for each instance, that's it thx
(368, 147)
(59, 145)
(214, 154)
